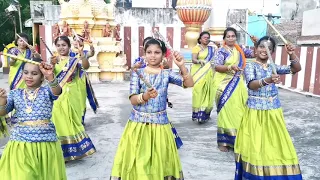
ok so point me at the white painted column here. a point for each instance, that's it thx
(48, 40)
(208, 23)
(218, 18)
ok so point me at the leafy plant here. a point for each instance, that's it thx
(7, 23)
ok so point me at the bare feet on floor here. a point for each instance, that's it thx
(223, 149)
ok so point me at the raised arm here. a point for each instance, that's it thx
(47, 71)
(6, 102)
(255, 84)
(84, 60)
(185, 77)
(34, 52)
(91, 52)
(13, 51)
(294, 59)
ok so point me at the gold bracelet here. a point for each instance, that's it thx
(54, 83)
(260, 83)
(140, 99)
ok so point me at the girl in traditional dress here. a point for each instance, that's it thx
(230, 91)
(21, 49)
(33, 151)
(202, 93)
(78, 44)
(263, 147)
(147, 149)
(140, 63)
(69, 109)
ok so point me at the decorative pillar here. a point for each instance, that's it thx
(218, 19)
(193, 13)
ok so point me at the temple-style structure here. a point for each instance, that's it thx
(94, 20)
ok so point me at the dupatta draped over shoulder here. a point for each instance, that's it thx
(230, 93)
(16, 70)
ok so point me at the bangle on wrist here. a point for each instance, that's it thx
(54, 83)
(229, 68)
(145, 100)
(140, 99)
(3, 107)
(265, 82)
(294, 61)
(260, 83)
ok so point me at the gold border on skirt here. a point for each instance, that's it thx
(229, 132)
(280, 170)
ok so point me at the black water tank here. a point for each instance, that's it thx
(174, 4)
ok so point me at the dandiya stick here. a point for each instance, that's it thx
(278, 33)
(164, 40)
(81, 37)
(243, 30)
(8, 49)
(270, 58)
(5, 47)
(76, 35)
(46, 46)
(20, 58)
(167, 44)
(171, 49)
(23, 40)
(142, 78)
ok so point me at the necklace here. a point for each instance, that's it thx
(202, 48)
(66, 66)
(150, 70)
(264, 65)
(229, 49)
(31, 97)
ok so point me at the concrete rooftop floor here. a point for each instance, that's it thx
(201, 160)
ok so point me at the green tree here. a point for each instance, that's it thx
(7, 23)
